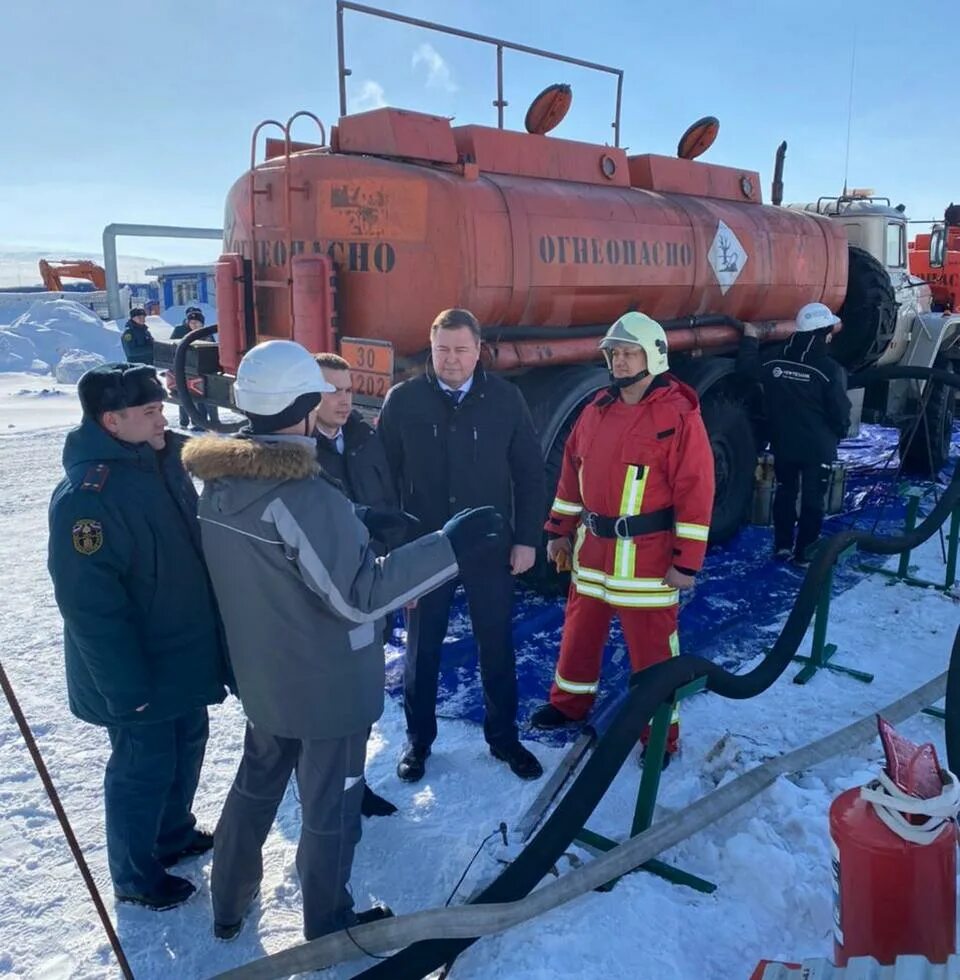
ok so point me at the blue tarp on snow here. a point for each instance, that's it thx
(740, 591)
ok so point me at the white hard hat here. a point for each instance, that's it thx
(274, 374)
(815, 316)
(641, 331)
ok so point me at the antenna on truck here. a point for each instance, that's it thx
(853, 65)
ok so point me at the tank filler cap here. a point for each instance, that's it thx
(698, 138)
(548, 109)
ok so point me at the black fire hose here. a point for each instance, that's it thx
(184, 395)
(658, 684)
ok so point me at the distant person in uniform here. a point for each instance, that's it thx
(142, 636)
(303, 596)
(458, 437)
(808, 413)
(193, 319)
(136, 338)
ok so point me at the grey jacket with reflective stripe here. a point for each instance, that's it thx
(301, 592)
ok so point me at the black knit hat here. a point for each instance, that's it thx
(112, 387)
(137, 311)
(295, 412)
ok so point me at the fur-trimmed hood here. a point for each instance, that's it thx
(240, 469)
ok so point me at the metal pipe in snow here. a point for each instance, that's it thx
(113, 231)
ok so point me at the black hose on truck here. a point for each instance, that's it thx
(184, 395)
(658, 684)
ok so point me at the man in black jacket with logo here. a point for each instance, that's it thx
(808, 413)
(457, 437)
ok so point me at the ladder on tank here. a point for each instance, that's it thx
(288, 190)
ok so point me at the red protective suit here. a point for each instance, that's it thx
(624, 460)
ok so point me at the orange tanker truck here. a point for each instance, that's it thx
(354, 244)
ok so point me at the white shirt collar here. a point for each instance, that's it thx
(336, 439)
(463, 389)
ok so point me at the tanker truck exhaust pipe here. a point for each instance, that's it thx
(776, 190)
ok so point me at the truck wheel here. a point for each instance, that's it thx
(925, 443)
(869, 312)
(734, 462)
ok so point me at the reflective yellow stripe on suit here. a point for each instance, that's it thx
(631, 500)
(575, 687)
(693, 532)
(566, 507)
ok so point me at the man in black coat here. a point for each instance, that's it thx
(350, 451)
(458, 437)
(142, 637)
(808, 412)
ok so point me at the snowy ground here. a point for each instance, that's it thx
(770, 859)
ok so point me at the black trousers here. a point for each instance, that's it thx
(809, 480)
(489, 590)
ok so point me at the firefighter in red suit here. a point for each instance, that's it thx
(631, 516)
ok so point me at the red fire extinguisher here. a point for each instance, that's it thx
(894, 847)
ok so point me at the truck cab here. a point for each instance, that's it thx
(922, 337)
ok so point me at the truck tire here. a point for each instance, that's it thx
(734, 462)
(869, 313)
(925, 443)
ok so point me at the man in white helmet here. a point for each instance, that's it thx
(302, 595)
(631, 516)
(808, 413)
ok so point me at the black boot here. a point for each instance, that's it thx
(374, 914)
(226, 932)
(201, 843)
(170, 892)
(522, 761)
(373, 805)
(549, 716)
(413, 762)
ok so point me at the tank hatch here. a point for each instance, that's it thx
(397, 133)
(669, 175)
(502, 151)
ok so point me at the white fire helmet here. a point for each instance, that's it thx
(642, 331)
(815, 316)
(274, 374)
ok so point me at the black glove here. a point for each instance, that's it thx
(474, 531)
(385, 524)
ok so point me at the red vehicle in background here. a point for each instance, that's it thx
(935, 257)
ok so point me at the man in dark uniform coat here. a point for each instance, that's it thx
(142, 635)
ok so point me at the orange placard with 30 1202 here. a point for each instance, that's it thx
(371, 365)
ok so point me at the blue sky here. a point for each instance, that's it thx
(119, 112)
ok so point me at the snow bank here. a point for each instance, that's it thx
(74, 365)
(38, 339)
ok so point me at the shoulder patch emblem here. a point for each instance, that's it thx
(128, 336)
(95, 477)
(87, 536)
